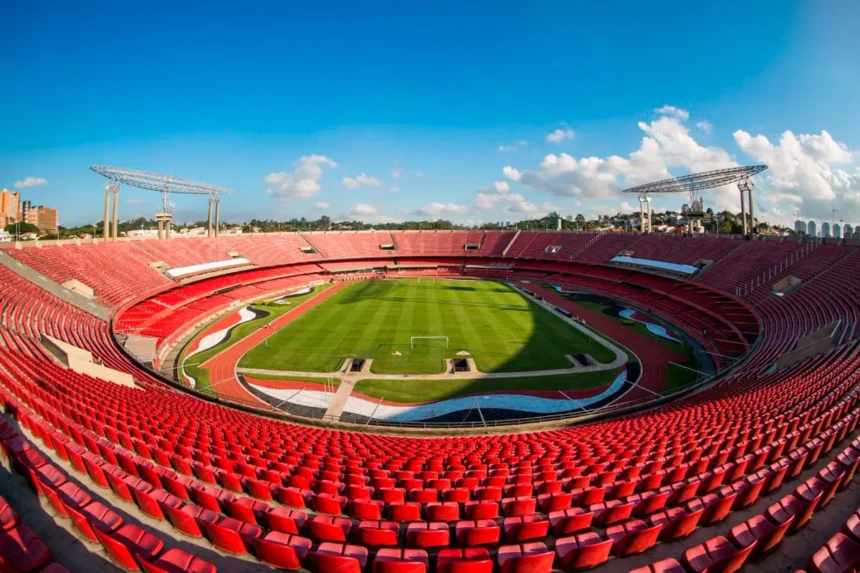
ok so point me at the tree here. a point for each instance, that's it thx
(21, 228)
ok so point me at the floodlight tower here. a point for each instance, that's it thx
(696, 182)
(164, 184)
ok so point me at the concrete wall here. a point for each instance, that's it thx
(81, 361)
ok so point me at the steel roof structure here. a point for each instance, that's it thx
(699, 181)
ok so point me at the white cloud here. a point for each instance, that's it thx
(705, 126)
(367, 214)
(559, 135)
(321, 205)
(501, 187)
(436, 209)
(511, 173)
(394, 189)
(513, 146)
(303, 181)
(667, 144)
(671, 110)
(30, 182)
(804, 170)
(365, 179)
(362, 179)
(364, 209)
(395, 173)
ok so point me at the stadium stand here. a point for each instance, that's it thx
(244, 488)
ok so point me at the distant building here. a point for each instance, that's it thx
(857, 229)
(846, 232)
(800, 227)
(9, 205)
(47, 219)
(813, 231)
(24, 211)
(825, 230)
(837, 231)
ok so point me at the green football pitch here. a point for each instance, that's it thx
(497, 326)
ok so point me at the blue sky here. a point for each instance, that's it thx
(290, 103)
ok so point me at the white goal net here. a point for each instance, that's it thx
(414, 338)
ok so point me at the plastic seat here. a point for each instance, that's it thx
(282, 550)
(329, 528)
(404, 511)
(427, 534)
(570, 521)
(471, 560)
(378, 533)
(482, 509)
(175, 561)
(8, 517)
(663, 566)
(675, 523)
(366, 509)
(248, 510)
(716, 554)
(21, 550)
(128, 540)
(632, 537)
(526, 558)
(336, 557)
(285, 520)
(525, 528)
(851, 527)
(401, 561)
(839, 554)
(476, 533)
(761, 532)
(94, 515)
(582, 551)
(189, 518)
(611, 512)
(443, 511)
(789, 506)
(231, 535)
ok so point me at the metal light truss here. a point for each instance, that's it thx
(699, 181)
(157, 182)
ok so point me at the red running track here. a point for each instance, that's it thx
(653, 356)
(222, 366)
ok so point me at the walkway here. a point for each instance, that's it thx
(341, 397)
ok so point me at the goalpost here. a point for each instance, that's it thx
(414, 338)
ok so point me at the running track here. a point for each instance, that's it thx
(653, 356)
(222, 366)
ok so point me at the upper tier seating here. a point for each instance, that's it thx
(341, 245)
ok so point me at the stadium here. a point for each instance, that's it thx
(431, 400)
(364, 287)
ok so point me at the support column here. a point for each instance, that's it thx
(752, 210)
(209, 219)
(743, 214)
(163, 219)
(217, 217)
(641, 215)
(106, 230)
(648, 200)
(116, 213)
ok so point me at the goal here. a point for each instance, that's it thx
(414, 338)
